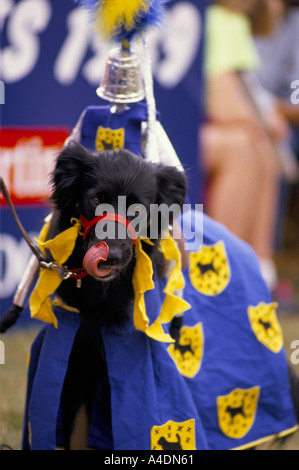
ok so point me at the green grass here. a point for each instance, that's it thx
(14, 372)
(13, 376)
(290, 327)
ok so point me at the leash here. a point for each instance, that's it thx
(33, 247)
(64, 272)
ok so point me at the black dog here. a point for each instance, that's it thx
(81, 182)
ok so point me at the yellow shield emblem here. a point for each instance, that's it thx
(174, 436)
(237, 411)
(209, 269)
(265, 325)
(187, 352)
(110, 139)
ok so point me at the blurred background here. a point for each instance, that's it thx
(226, 83)
(51, 65)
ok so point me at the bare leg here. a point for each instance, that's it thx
(262, 236)
(243, 190)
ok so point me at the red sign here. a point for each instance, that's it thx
(27, 157)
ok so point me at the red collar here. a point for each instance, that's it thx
(87, 225)
(79, 273)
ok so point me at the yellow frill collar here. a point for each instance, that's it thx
(62, 246)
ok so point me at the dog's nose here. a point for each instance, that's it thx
(115, 255)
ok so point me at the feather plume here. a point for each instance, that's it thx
(124, 19)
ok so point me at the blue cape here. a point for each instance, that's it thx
(223, 385)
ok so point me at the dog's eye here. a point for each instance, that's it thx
(94, 201)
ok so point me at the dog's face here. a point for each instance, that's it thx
(129, 189)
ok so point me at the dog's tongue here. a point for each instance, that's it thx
(94, 255)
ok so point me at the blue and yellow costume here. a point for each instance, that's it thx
(223, 385)
(117, 130)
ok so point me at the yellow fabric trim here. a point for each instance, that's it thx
(173, 305)
(61, 247)
(142, 282)
(59, 303)
(268, 438)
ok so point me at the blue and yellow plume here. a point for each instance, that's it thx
(124, 19)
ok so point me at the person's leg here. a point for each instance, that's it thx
(262, 238)
(243, 190)
(235, 180)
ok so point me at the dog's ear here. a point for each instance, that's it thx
(171, 194)
(172, 186)
(72, 166)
